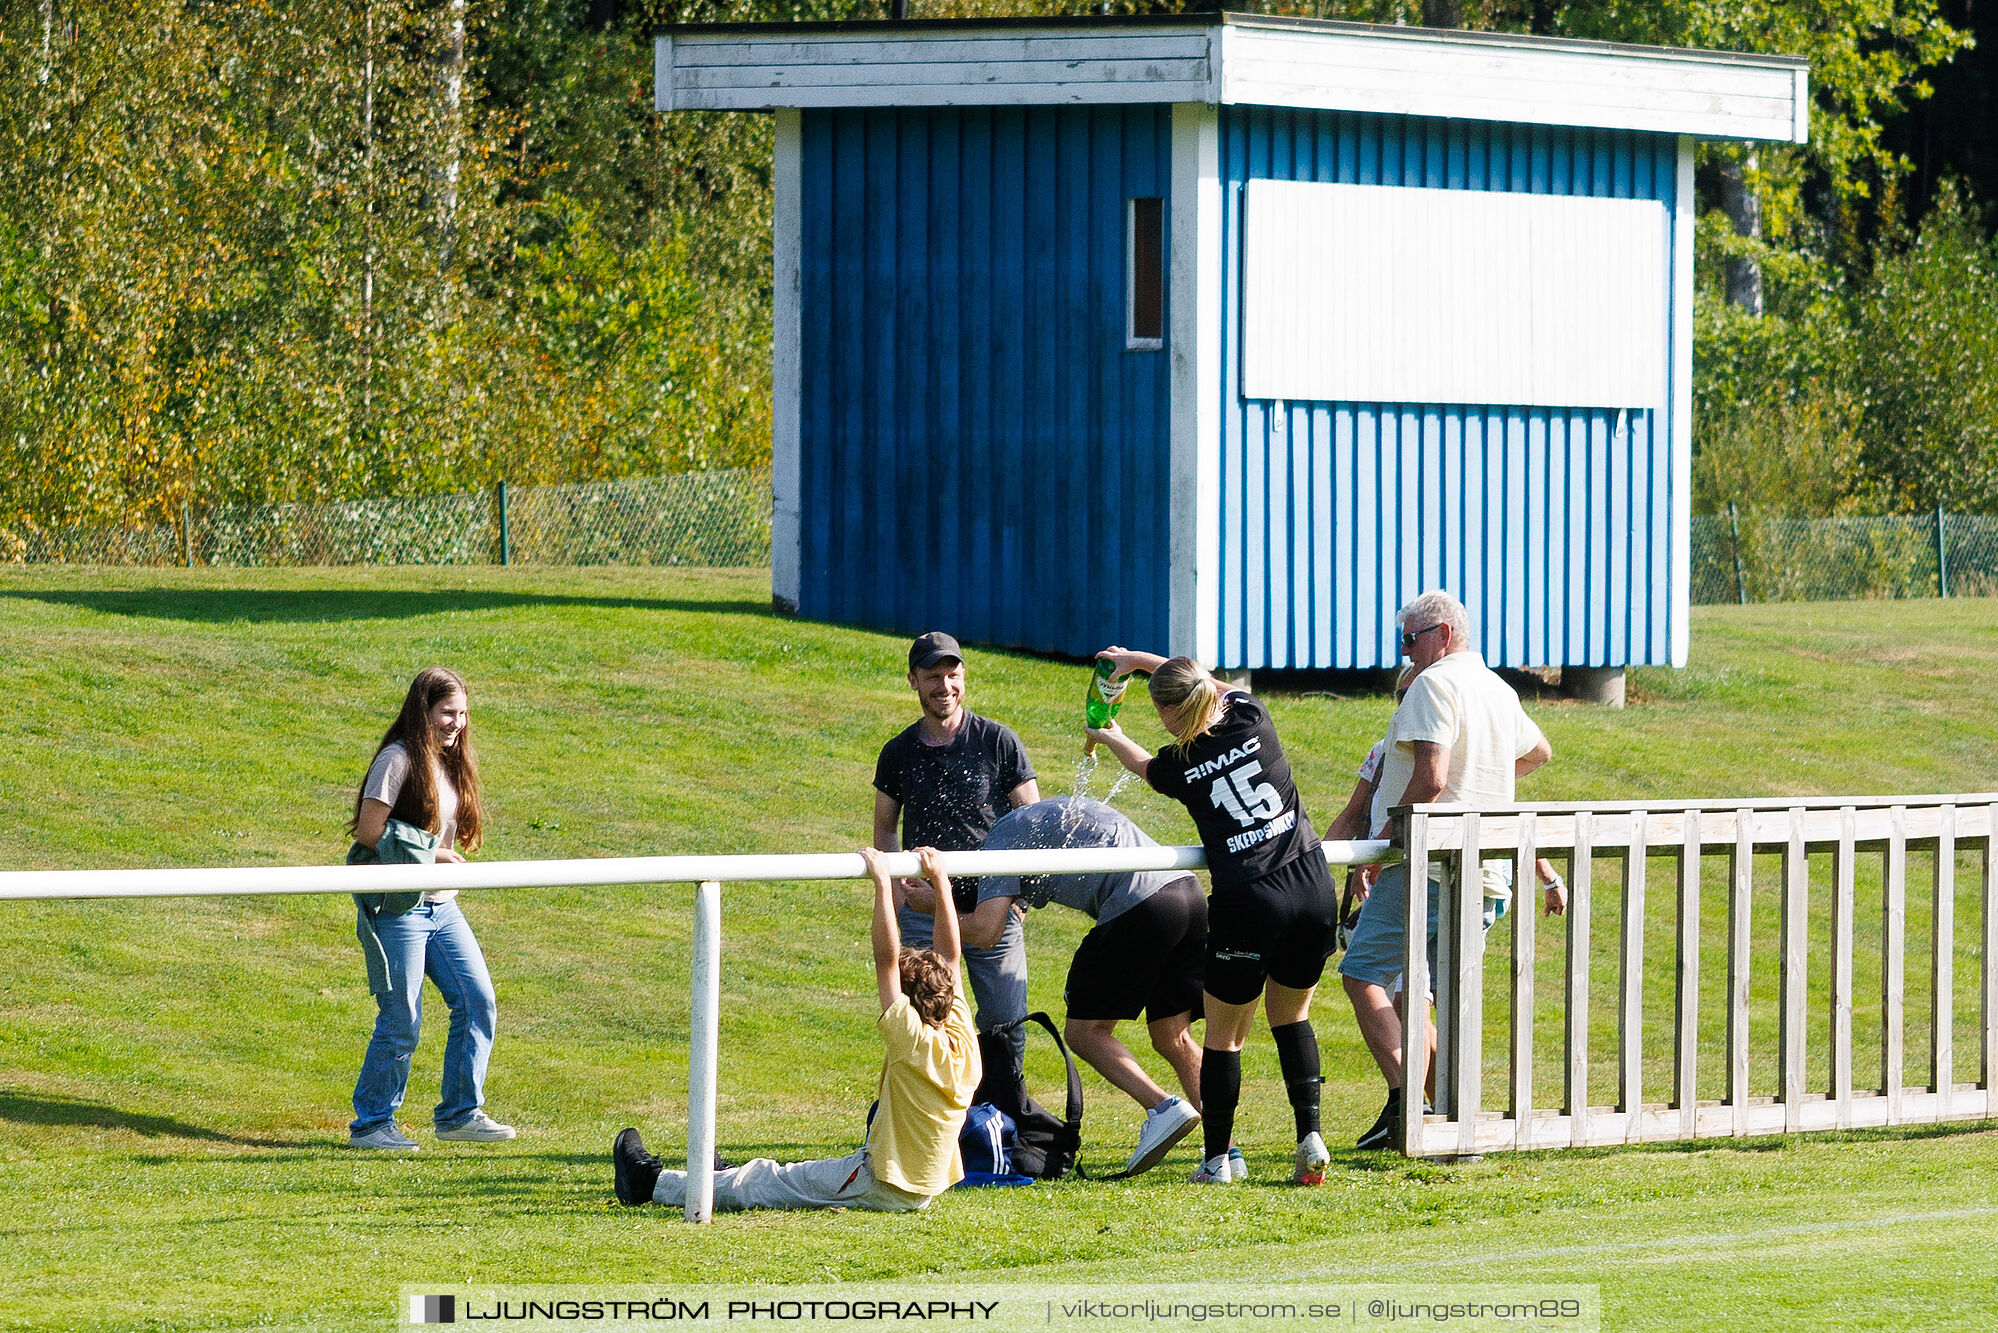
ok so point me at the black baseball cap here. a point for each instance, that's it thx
(932, 648)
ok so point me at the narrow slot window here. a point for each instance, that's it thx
(1144, 284)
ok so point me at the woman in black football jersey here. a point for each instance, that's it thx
(1272, 918)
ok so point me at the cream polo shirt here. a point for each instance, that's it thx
(927, 1078)
(1460, 704)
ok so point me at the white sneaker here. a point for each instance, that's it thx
(478, 1127)
(1165, 1124)
(1312, 1159)
(387, 1138)
(1238, 1165)
(1214, 1171)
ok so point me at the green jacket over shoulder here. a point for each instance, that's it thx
(400, 844)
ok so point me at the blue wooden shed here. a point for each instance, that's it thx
(1231, 333)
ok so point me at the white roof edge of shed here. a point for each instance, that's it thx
(1240, 59)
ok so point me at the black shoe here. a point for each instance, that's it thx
(1387, 1129)
(636, 1170)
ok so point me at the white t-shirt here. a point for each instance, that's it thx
(1462, 705)
(1370, 767)
(384, 783)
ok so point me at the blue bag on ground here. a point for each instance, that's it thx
(1045, 1146)
(986, 1143)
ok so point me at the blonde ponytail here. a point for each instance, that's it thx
(1188, 698)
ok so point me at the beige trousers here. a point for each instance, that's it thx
(832, 1182)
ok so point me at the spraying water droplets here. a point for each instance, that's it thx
(1085, 774)
(1071, 811)
(1085, 770)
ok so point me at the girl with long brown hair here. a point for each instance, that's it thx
(421, 802)
(1273, 913)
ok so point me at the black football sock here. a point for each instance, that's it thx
(1297, 1056)
(1220, 1090)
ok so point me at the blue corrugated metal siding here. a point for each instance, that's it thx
(980, 453)
(1552, 525)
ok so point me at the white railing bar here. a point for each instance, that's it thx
(1630, 976)
(1708, 805)
(1686, 1003)
(709, 872)
(1843, 917)
(1467, 1039)
(1942, 969)
(1443, 981)
(1740, 903)
(1894, 962)
(1415, 982)
(1770, 830)
(1575, 1037)
(1988, 1020)
(1525, 952)
(704, 1053)
(1793, 983)
(590, 871)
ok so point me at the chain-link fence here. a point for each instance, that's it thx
(694, 518)
(1742, 558)
(713, 518)
(722, 518)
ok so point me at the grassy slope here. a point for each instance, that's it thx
(173, 1076)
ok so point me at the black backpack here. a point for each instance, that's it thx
(1044, 1146)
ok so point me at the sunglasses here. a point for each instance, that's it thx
(1408, 640)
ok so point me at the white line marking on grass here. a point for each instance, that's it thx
(1706, 1240)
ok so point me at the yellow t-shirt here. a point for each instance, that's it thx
(927, 1078)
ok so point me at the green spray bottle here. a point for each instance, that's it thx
(1104, 697)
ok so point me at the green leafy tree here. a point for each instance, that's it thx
(252, 251)
(255, 251)
(1928, 365)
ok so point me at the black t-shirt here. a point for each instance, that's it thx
(952, 795)
(1236, 784)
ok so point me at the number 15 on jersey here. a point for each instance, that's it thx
(1248, 802)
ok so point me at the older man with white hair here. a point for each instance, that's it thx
(1460, 736)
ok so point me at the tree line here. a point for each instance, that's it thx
(255, 251)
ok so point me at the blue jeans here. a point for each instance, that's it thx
(998, 975)
(433, 940)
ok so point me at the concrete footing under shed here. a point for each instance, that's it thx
(1595, 685)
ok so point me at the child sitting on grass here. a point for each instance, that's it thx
(928, 1074)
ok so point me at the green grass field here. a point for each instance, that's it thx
(174, 1075)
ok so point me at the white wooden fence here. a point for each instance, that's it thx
(1855, 831)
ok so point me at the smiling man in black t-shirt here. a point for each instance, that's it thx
(946, 780)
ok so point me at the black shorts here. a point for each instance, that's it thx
(1279, 928)
(1147, 960)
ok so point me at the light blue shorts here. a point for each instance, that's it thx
(1374, 954)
